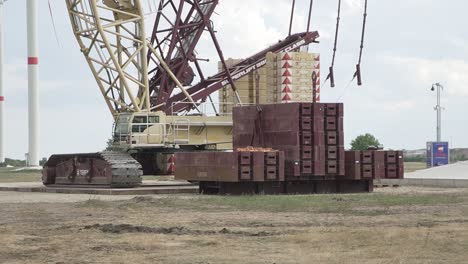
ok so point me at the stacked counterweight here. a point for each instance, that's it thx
(309, 138)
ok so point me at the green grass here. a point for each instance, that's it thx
(414, 166)
(324, 203)
(10, 175)
(355, 204)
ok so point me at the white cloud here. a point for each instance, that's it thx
(243, 29)
(396, 106)
(16, 80)
(353, 5)
(451, 73)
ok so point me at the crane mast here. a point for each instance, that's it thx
(111, 36)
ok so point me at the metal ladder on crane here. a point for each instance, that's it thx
(181, 131)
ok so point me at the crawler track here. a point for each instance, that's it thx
(110, 169)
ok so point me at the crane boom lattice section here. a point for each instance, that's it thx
(111, 35)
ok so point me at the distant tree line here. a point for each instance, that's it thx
(422, 158)
(417, 158)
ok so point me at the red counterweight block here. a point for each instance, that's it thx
(374, 164)
(310, 134)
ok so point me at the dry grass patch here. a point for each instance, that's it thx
(411, 225)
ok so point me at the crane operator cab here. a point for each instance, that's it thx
(139, 129)
(133, 130)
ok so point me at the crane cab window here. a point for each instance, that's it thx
(153, 119)
(140, 120)
(139, 128)
(140, 123)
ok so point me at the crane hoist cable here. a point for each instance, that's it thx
(330, 75)
(357, 74)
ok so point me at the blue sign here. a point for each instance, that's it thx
(438, 154)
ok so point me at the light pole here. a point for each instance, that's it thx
(438, 109)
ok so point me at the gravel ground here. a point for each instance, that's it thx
(34, 197)
(30, 197)
(393, 225)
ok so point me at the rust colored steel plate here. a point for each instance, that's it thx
(334, 123)
(394, 164)
(391, 157)
(353, 165)
(367, 157)
(334, 138)
(334, 109)
(301, 130)
(374, 164)
(391, 171)
(368, 171)
(332, 153)
(234, 166)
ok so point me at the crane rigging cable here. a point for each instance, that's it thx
(53, 23)
(310, 15)
(330, 75)
(292, 17)
(357, 74)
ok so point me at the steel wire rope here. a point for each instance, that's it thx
(330, 75)
(53, 23)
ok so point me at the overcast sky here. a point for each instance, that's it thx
(410, 44)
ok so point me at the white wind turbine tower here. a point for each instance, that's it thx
(33, 76)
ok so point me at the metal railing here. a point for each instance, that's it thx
(206, 108)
